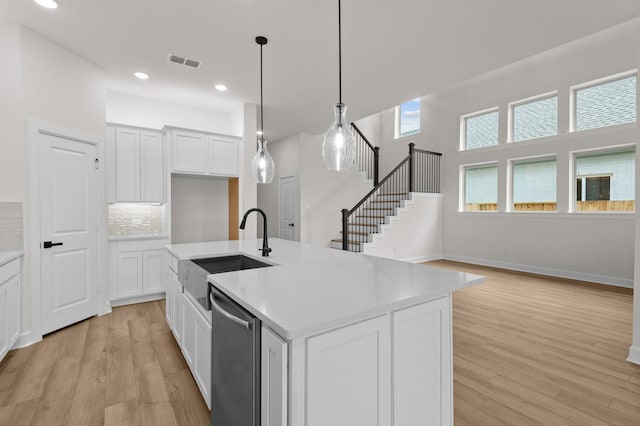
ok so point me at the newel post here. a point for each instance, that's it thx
(345, 229)
(411, 148)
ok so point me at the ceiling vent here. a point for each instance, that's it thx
(176, 59)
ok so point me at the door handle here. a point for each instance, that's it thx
(49, 244)
(240, 322)
(291, 224)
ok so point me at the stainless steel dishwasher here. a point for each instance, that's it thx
(235, 363)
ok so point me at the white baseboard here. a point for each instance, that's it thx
(421, 259)
(26, 339)
(634, 355)
(600, 279)
(138, 299)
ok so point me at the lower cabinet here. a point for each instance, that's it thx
(274, 376)
(136, 268)
(9, 306)
(196, 345)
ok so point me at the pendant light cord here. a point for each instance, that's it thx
(261, 105)
(339, 53)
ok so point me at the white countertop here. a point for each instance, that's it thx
(314, 288)
(8, 256)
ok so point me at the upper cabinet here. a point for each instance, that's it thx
(136, 165)
(203, 153)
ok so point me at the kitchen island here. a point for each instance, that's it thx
(347, 339)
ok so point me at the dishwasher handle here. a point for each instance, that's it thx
(240, 322)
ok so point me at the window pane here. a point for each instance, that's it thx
(410, 118)
(481, 130)
(535, 119)
(606, 181)
(534, 186)
(481, 188)
(606, 104)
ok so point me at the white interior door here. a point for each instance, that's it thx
(287, 200)
(68, 221)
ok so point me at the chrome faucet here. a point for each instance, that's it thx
(265, 245)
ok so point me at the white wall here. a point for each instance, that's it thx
(248, 196)
(199, 209)
(40, 81)
(151, 113)
(414, 234)
(287, 159)
(323, 193)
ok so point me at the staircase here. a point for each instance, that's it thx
(418, 172)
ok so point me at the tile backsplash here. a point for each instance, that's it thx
(11, 226)
(136, 219)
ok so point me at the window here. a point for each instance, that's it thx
(481, 188)
(408, 118)
(534, 119)
(481, 130)
(606, 104)
(534, 185)
(605, 181)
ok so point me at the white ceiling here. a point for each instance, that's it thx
(393, 50)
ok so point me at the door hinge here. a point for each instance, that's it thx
(97, 164)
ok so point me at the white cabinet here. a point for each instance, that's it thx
(137, 269)
(136, 171)
(176, 293)
(274, 364)
(349, 375)
(422, 364)
(9, 305)
(196, 345)
(203, 154)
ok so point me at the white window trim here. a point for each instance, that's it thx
(510, 186)
(574, 155)
(396, 130)
(597, 82)
(463, 186)
(463, 126)
(511, 115)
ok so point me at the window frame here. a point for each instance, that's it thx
(463, 127)
(573, 204)
(511, 182)
(511, 115)
(462, 205)
(573, 104)
(398, 120)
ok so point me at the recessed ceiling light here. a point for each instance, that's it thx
(221, 87)
(49, 4)
(141, 75)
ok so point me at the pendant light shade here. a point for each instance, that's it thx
(339, 146)
(262, 166)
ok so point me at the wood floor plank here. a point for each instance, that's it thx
(90, 391)
(122, 414)
(56, 399)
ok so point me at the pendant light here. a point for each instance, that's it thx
(338, 147)
(262, 166)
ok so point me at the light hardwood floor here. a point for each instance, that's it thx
(532, 350)
(528, 350)
(119, 369)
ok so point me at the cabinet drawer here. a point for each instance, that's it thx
(8, 270)
(173, 263)
(129, 246)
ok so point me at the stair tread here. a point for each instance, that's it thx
(350, 242)
(364, 224)
(392, 193)
(370, 217)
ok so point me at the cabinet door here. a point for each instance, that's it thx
(188, 331)
(13, 310)
(129, 274)
(422, 368)
(273, 380)
(224, 157)
(151, 167)
(153, 262)
(202, 368)
(169, 297)
(177, 310)
(189, 153)
(127, 165)
(348, 376)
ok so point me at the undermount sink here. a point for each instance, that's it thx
(193, 273)
(238, 262)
